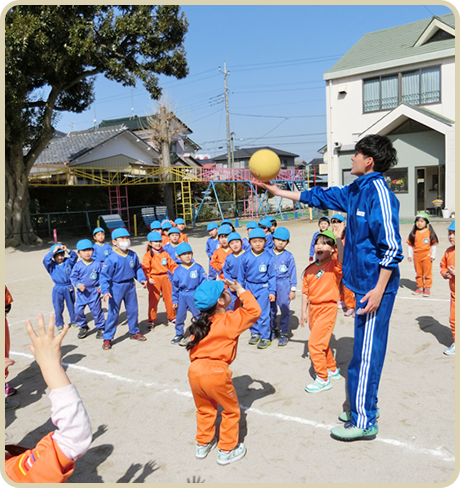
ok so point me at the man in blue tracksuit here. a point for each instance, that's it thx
(370, 269)
(117, 283)
(59, 267)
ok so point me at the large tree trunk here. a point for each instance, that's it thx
(18, 226)
(168, 188)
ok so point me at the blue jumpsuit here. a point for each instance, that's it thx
(88, 275)
(171, 250)
(230, 270)
(286, 280)
(101, 251)
(184, 284)
(269, 242)
(117, 278)
(373, 242)
(63, 289)
(246, 245)
(257, 274)
(312, 245)
(211, 246)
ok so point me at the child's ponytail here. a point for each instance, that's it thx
(200, 327)
(433, 237)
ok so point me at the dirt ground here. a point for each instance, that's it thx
(143, 416)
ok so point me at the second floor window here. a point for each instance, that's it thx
(417, 87)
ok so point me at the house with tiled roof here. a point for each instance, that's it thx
(241, 157)
(399, 82)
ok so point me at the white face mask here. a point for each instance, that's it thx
(124, 245)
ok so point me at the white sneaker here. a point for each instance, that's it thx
(349, 312)
(318, 385)
(333, 375)
(450, 351)
(224, 457)
(202, 451)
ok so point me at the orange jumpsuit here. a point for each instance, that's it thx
(183, 237)
(321, 286)
(211, 379)
(165, 239)
(422, 260)
(449, 260)
(156, 266)
(218, 259)
(8, 301)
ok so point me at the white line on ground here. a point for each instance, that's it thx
(438, 452)
(427, 300)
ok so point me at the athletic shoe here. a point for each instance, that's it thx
(138, 337)
(10, 391)
(263, 343)
(171, 322)
(349, 312)
(346, 416)
(11, 404)
(202, 451)
(255, 338)
(450, 351)
(340, 304)
(177, 339)
(283, 339)
(426, 292)
(333, 375)
(83, 332)
(224, 457)
(418, 291)
(318, 385)
(74, 326)
(59, 328)
(184, 341)
(100, 333)
(274, 334)
(349, 432)
(150, 325)
(106, 345)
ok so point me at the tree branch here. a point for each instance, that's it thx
(84, 75)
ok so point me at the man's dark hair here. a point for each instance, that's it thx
(380, 149)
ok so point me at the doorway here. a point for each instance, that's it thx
(420, 178)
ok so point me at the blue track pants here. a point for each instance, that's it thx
(59, 295)
(122, 292)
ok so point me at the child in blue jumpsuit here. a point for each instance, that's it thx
(186, 279)
(211, 245)
(371, 260)
(101, 248)
(323, 224)
(117, 284)
(232, 264)
(257, 274)
(249, 226)
(171, 247)
(266, 225)
(59, 267)
(85, 277)
(286, 282)
(156, 225)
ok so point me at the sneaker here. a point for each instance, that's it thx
(274, 334)
(418, 291)
(138, 337)
(11, 404)
(350, 312)
(333, 375)
(59, 328)
(10, 391)
(150, 325)
(177, 339)
(202, 451)
(263, 343)
(283, 340)
(346, 416)
(450, 351)
(227, 457)
(340, 304)
(83, 332)
(426, 292)
(318, 385)
(349, 432)
(171, 322)
(184, 341)
(255, 338)
(74, 326)
(107, 344)
(100, 333)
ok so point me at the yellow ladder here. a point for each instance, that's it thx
(186, 197)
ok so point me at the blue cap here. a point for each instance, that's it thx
(212, 225)
(155, 225)
(266, 223)
(179, 221)
(451, 226)
(338, 217)
(173, 230)
(271, 219)
(251, 225)
(207, 294)
(234, 236)
(226, 221)
(257, 233)
(224, 230)
(154, 236)
(166, 225)
(120, 232)
(59, 250)
(183, 247)
(84, 244)
(282, 234)
(98, 229)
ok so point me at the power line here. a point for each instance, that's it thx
(279, 116)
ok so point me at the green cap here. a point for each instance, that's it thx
(424, 215)
(329, 233)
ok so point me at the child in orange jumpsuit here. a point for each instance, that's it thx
(180, 223)
(448, 273)
(52, 460)
(422, 249)
(165, 226)
(158, 268)
(212, 349)
(9, 404)
(320, 294)
(221, 253)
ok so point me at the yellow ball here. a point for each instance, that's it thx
(264, 165)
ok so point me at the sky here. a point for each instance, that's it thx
(275, 57)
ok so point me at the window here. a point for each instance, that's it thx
(396, 179)
(417, 87)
